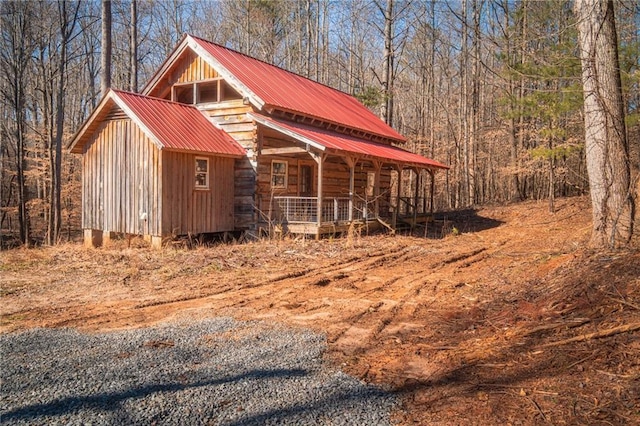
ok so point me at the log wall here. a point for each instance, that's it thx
(335, 182)
(232, 117)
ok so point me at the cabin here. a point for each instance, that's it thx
(218, 141)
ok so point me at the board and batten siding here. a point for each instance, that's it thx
(194, 68)
(120, 181)
(191, 210)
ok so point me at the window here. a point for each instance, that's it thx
(183, 94)
(279, 174)
(208, 92)
(202, 173)
(204, 92)
(228, 93)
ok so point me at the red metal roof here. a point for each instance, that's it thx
(340, 142)
(178, 126)
(285, 90)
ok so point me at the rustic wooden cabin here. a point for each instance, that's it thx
(289, 154)
(154, 168)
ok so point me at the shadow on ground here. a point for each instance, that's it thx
(453, 222)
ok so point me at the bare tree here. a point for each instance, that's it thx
(387, 67)
(68, 14)
(15, 53)
(133, 47)
(105, 80)
(605, 135)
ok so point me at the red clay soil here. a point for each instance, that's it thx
(503, 315)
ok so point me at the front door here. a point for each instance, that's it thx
(305, 180)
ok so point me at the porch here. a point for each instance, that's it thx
(299, 215)
(317, 182)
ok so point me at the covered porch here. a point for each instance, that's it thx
(332, 181)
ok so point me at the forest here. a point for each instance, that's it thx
(490, 87)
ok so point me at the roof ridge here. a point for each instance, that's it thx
(269, 64)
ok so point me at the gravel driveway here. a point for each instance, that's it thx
(218, 372)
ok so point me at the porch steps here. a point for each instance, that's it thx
(386, 225)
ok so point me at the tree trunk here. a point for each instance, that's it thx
(105, 81)
(14, 64)
(464, 110)
(475, 105)
(605, 135)
(67, 25)
(432, 86)
(387, 105)
(133, 47)
(309, 16)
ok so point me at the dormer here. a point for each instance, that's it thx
(210, 75)
(191, 80)
(203, 92)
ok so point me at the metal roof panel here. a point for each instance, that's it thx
(178, 126)
(288, 91)
(340, 142)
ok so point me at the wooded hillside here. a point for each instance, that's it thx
(490, 87)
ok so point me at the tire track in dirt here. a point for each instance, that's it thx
(363, 317)
(261, 292)
(414, 279)
(323, 275)
(348, 274)
(395, 310)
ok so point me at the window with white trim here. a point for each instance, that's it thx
(202, 173)
(279, 174)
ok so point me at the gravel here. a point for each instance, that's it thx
(213, 372)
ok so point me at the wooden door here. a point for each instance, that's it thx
(305, 180)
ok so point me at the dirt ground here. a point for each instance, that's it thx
(502, 316)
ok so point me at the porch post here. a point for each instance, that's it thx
(352, 184)
(319, 158)
(394, 217)
(423, 178)
(431, 191)
(351, 162)
(415, 197)
(376, 188)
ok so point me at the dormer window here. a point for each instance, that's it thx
(183, 94)
(204, 92)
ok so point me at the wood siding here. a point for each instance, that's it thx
(120, 180)
(232, 117)
(189, 67)
(124, 175)
(193, 68)
(191, 210)
(335, 182)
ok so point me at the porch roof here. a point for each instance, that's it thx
(333, 142)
